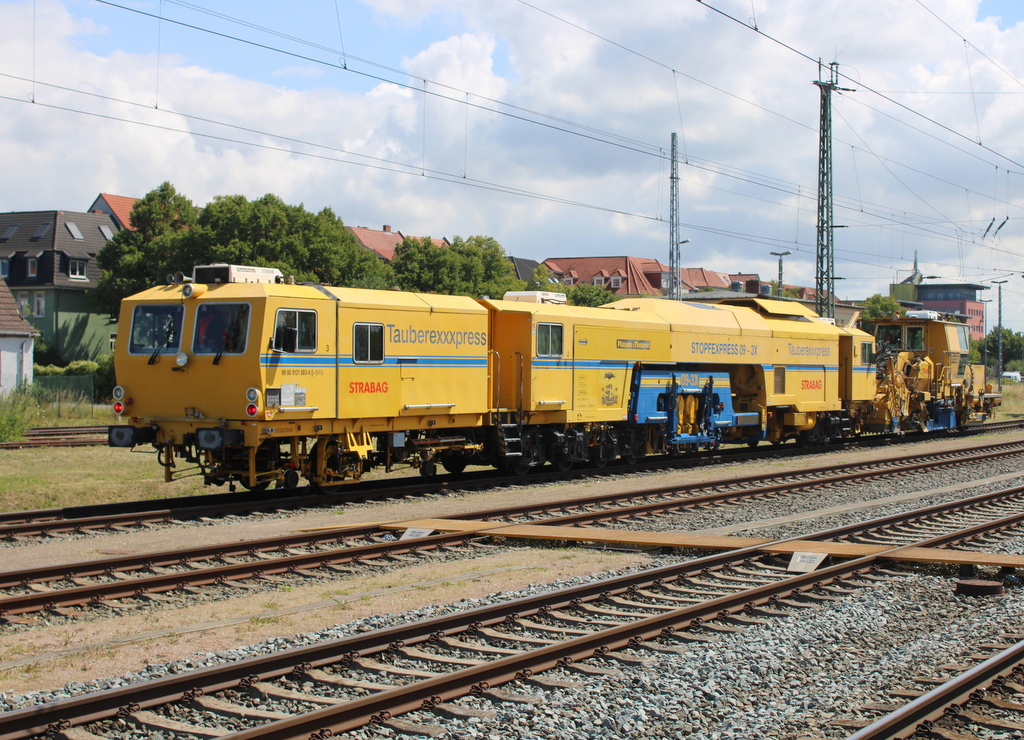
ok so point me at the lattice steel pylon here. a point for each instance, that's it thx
(674, 291)
(825, 279)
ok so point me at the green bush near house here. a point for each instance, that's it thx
(13, 415)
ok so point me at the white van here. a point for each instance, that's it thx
(1015, 377)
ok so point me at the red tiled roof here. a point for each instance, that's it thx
(635, 272)
(699, 277)
(386, 241)
(118, 205)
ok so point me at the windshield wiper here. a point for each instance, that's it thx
(161, 347)
(231, 335)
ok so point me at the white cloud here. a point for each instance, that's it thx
(597, 107)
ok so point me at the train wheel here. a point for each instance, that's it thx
(518, 465)
(328, 450)
(428, 469)
(562, 463)
(454, 464)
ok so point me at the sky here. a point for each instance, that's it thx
(546, 124)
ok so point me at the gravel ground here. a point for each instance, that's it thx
(782, 679)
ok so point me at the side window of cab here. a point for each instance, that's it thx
(295, 330)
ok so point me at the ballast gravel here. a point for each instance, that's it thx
(786, 678)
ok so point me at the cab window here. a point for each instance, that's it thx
(221, 328)
(368, 343)
(549, 340)
(867, 353)
(295, 330)
(915, 337)
(890, 334)
(964, 333)
(156, 327)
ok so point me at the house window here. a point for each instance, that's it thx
(616, 282)
(75, 232)
(33, 267)
(598, 280)
(23, 303)
(295, 331)
(78, 270)
(368, 343)
(5, 268)
(549, 340)
(40, 301)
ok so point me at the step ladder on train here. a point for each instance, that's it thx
(509, 426)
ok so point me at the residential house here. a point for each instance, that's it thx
(384, 242)
(48, 259)
(524, 268)
(118, 207)
(17, 339)
(625, 276)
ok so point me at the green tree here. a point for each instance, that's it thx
(142, 257)
(1013, 345)
(542, 279)
(171, 234)
(879, 306)
(477, 266)
(585, 294)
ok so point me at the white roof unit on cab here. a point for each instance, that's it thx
(535, 296)
(213, 274)
(933, 315)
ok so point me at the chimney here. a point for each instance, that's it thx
(387, 229)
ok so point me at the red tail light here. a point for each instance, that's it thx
(252, 409)
(118, 408)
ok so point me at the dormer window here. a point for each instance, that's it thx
(33, 267)
(5, 268)
(78, 270)
(598, 280)
(616, 282)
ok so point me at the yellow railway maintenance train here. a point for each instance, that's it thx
(241, 375)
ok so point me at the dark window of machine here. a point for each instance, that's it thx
(295, 330)
(156, 327)
(221, 328)
(368, 343)
(867, 353)
(549, 340)
(891, 335)
(915, 337)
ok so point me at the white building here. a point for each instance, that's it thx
(17, 339)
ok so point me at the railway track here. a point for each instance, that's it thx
(17, 525)
(988, 696)
(83, 436)
(139, 579)
(422, 668)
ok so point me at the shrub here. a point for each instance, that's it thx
(13, 408)
(81, 367)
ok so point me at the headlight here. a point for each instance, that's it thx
(181, 359)
(118, 393)
(252, 395)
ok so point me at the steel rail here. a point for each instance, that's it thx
(51, 718)
(219, 504)
(139, 586)
(925, 710)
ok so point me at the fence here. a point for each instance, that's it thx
(66, 394)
